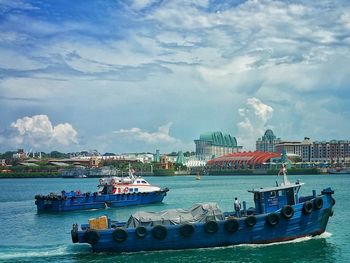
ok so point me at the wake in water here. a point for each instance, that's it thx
(34, 253)
(297, 240)
(26, 252)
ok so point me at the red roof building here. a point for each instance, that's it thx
(251, 160)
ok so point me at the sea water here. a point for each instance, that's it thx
(26, 236)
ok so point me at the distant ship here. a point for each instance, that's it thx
(345, 170)
(83, 172)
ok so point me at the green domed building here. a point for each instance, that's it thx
(214, 144)
(267, 142)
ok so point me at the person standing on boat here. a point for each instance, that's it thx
(105, 188)
(237, 206)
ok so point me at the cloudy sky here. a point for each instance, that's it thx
(123, 76)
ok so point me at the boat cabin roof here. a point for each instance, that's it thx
(276, 188)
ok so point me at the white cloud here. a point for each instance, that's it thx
(39, 133)
(160, 136)
(255, 116)
(21, 62)
(141, 4)
(157, 55)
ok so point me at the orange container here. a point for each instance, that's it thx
(98, 223)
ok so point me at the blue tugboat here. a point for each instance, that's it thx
(112, 192)
(280, 214)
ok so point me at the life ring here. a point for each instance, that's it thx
(126, 189)
(159, 232)
(318, 203)
(141, 231)
(250, 221)
(91, 236)
(211, 227)
(287, 211)
(119, 234)
(273, 219)
(307, 207)
(100, 181)
(231, 225)
(187, 230)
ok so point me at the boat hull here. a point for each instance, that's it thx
(85, 202)
(299, 225)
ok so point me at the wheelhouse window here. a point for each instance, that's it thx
(282, 193)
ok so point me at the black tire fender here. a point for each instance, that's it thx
(231, 225)
(74, 235)
(332, 201)
(211, 227)
(307, 207)
(250, 221)
(141, 231)
(287, 211)
(273, 219)
(187, 230)
(120, 234)
(159, 232)
(318, 203)
(91, 236)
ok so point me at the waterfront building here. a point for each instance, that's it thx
(306, 146)
(165, 162)
(157, 156)
(192, 162)
(267, 142)
(215, 144)
(328, 152)
(180, 159)
(333, 152)
(95, 162)
(244, 160)
(289, 147)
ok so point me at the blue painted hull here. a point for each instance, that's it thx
(83, 202)
(299, 225)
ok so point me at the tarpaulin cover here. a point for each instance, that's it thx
(202, 212)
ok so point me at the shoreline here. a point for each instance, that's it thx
(187, 175)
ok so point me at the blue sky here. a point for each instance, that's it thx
(123, 76)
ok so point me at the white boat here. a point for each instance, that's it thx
(125, 185)
(339, 171)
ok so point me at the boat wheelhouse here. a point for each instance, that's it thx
(112, 192)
